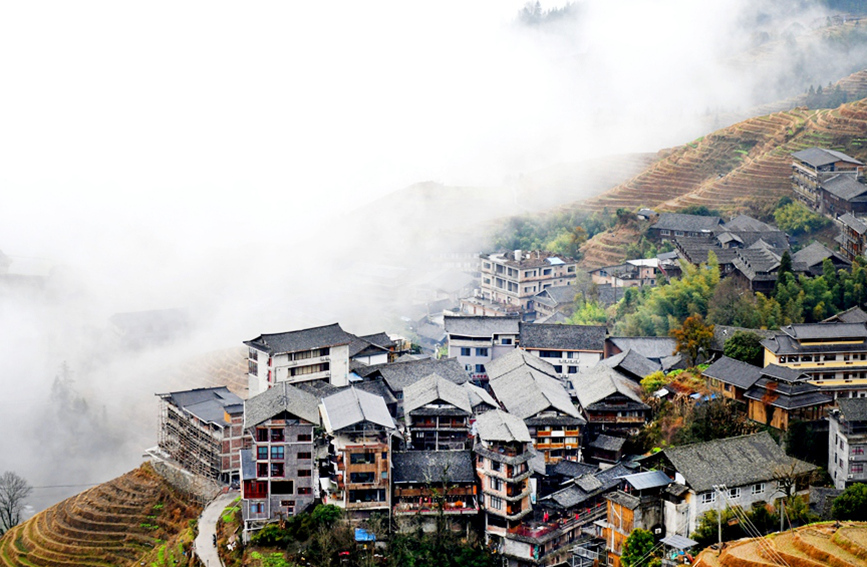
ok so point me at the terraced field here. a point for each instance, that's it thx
(120, 522)
(816, 545)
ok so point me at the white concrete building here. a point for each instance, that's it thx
(847, 442)
(476, 341)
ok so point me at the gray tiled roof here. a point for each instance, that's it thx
(517, 359)
(526, 392)
(853, 222)
(826, 331)
(851, 315)
(281, 398)
(304, 339)
(817, 157)
(479, 396)
(208, 404)
(573, 495)
(432, 389)
(379, 339)
(358, 346)
(630, 362)
(563, 337)
(352, 406)
(597, 383)
(744, 223)
(811, 255)
(608, 442)
(557, 295)
(497, 425)
(399, 375)
(853, 409)
(735, 461)
(734, 372)
(433, 467)
(686, 223)
(481, 326)
(555, 318)
(573, 469)
(757, 263)
(695, 250)
(845, 186)
(653, 348)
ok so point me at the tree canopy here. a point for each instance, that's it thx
(637, 547)
(693, 338)
(852, 504)
(745, 346)
(14, 491)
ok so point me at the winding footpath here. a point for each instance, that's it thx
(206, 551)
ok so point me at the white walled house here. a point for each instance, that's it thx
(318, 353)
(569, 348)
(847, 442)
(476, 341)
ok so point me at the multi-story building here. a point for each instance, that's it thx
(476, 341)
(530, 390)
(360, 430)
(437, 414)
(503, 451)
(782, 395)
(813, 167)
(853, 236)
(201, 430)
(556, 300)
(569, 348)
(279, 476)
(611, 402)
(638, 504)
(514, 279)
(832, 355)
(430, 483)
(318, 353)
(847, 442)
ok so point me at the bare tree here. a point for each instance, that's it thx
(13, 491)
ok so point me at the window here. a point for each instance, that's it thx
(480, 368)
(305, 437)
(303, 472)
(496, 503)
(261, 469)
(858, 450)
(305, 490)
(496, 484)
(465, 351)
(356, 477)
(496, 465)
(361, 458)
(481, 351)
(277, 469)
(304, 456)
(558, 368)
(708, 497)
(550, 353)
(277, 435)
(257, 508)
(856, 468)
(758, 488)
(734, 493)
(287, 503)
(506, 341)
(573, 370)
(830, 357)
(546, 272)
(262, 453)
(278, 452)
(261, 434)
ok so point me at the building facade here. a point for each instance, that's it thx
(847, 442)
(476, 341)
(514, 279)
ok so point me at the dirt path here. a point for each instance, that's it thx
(205, 549)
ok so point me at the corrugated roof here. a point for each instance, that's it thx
(646, 480)
(497, 425)
(352, 406)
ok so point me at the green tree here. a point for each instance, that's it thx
(796, 219)
(734, 304)
(746, 347)
(713, 419)
(637, 548)
(693, 338)
(653, 382)
(589, 313)
(852, 504)
(326, 515)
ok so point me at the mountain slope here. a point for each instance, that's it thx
(120, 522)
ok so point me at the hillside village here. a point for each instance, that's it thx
(503, 417)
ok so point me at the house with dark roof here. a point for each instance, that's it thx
(569, 348)
(475, 341)
(847, 442)
(400, 374)
(317, 353)
(757, 267)
(530, 390)
(843, 193)
(660, 350)
(833, 355)
(674, 225)
(503, 449)
(810, 260)
(632, 273)
(782, 395)
(610, 402)
(851, 315)
(437, 413)
(747, 470)
(554, 299)
(201, 430)
(637, 504)
(606, 449)
(428, 483)
(853, 236)
(731, 378)
(280, 477)
(813, 167)
(359, 429)
(632, 365)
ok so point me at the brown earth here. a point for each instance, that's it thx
(134, 519)
(816, 545)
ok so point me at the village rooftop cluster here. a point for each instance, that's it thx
(513, 424)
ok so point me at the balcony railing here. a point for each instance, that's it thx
(547, 530)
